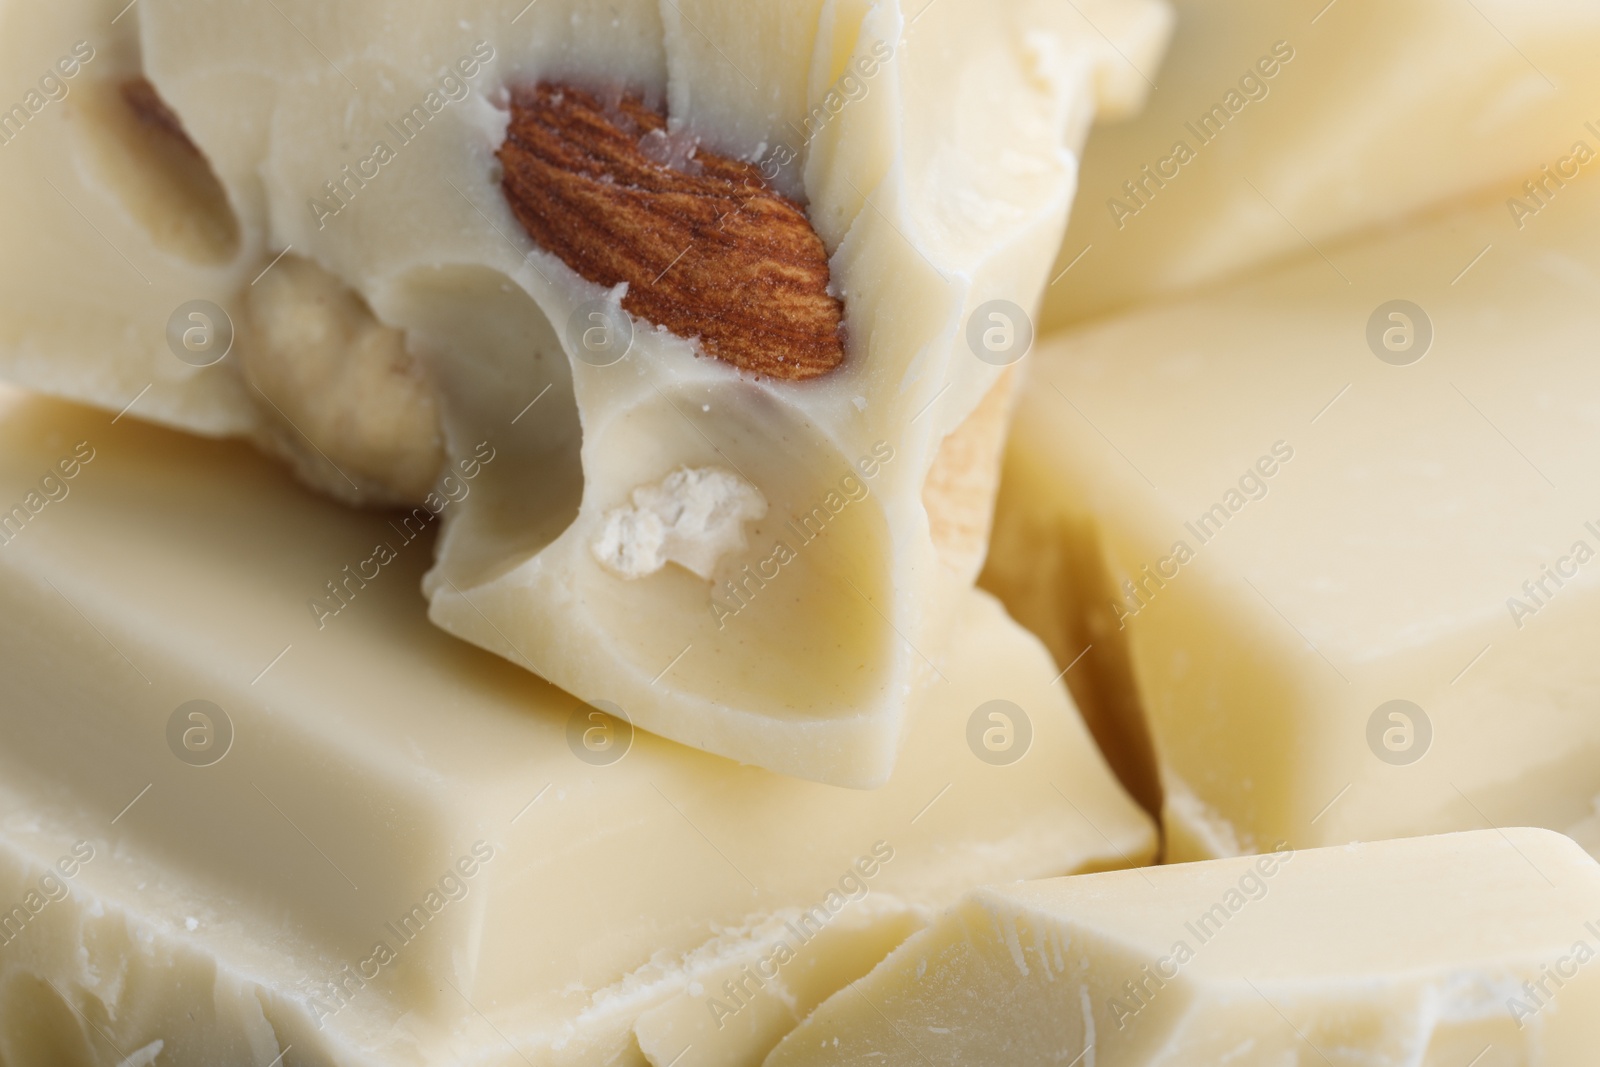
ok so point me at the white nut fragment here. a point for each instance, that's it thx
(343, 400)
(693, 518)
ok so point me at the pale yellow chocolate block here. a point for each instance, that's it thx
(1278, 123)
(542, 890)
(1474, 948)
(747, 561)
(1275, 519)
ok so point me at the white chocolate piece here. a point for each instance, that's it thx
(1271, 524)
(369, 764)
(112, 241)
(1428, 951)
(1382, 111)
(935, 147)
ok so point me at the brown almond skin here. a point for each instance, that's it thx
(146, 103)
(708, 249)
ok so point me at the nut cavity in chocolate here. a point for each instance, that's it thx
(153, 111)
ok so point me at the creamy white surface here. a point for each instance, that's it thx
(1386, 560)
(939, 176)
(1394, 952)
(1387, 108)
(372, 753)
